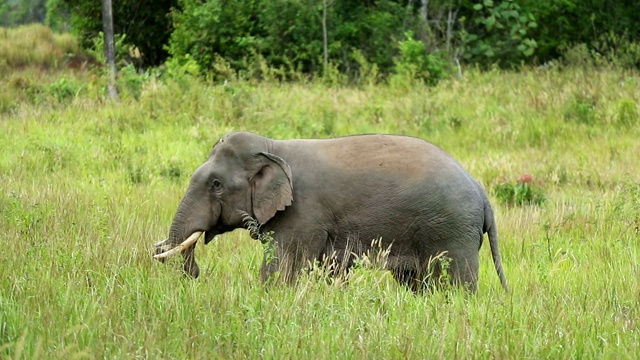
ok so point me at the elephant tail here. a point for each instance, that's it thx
(491, 229)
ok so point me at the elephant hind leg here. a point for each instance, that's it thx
(421, 281)
(408, 278)
(440, 271)
(463, 271)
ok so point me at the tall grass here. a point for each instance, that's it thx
(87, 186)
(35, 46)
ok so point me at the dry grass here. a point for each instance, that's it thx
(36, 46)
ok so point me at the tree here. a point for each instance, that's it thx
(110, 51)
(20, 12)
(145, 25)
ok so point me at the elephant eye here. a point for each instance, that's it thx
(216, 185)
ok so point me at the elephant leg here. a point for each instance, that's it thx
(441, 270)
(420, 278)
(408, 278)
(278, 263)
(190, 266)
(287, 255)
(463, 269)
(270, 266)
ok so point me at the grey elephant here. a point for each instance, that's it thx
(322, 198)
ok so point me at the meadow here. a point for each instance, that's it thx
(87, 185)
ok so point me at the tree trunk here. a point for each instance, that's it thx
(109, 47)
(424, 11)
(325, 50)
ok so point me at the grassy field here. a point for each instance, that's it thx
(87, 186)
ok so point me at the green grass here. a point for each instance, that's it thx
(87, 186)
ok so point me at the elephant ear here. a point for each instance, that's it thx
(271, 186)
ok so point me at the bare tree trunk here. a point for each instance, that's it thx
(325, 45)
(424, 10)
(452, 18)
(109, 46)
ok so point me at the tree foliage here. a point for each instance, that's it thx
(289, 32)
(145, 25)
(498, 33)
(312, 36)
(566, 23)
(20, 12)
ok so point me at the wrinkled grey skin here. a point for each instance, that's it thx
(334, 196)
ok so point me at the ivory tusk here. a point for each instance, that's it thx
(185, 244)
(161, 243)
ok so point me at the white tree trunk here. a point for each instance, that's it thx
(424, 10)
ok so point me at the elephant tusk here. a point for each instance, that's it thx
(161, 243)
(185, 244)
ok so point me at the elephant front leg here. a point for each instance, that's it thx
(270, 263)
(285, 258)
(190, 266)
(280, 264)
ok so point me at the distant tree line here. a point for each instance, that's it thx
(315, 36)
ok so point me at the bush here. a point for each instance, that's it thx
(525, 191)
(627, 113)
(581, 109)
(64, 90)
(499, 33)
(414, 61)
(563, 24)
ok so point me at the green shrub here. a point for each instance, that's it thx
(581, 109)
(612, 49)
(627, 113)
(64, 90)
(499, 33)
(131, 81)
(525, 191)
(27, 218)
(415, 62)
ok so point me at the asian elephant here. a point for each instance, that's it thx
(320, 198)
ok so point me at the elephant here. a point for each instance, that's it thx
(318, 198)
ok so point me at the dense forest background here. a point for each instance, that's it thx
(426, 39)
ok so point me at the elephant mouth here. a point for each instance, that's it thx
(161, 245)
(209, 235)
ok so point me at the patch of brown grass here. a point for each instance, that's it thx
(36, 45)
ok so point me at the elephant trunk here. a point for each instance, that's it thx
(183, 235)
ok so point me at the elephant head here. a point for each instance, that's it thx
(240, 177)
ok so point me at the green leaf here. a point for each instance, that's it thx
(510, 14)
(488, 3)
(477, 7)
(490, 22)
(532, 24)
